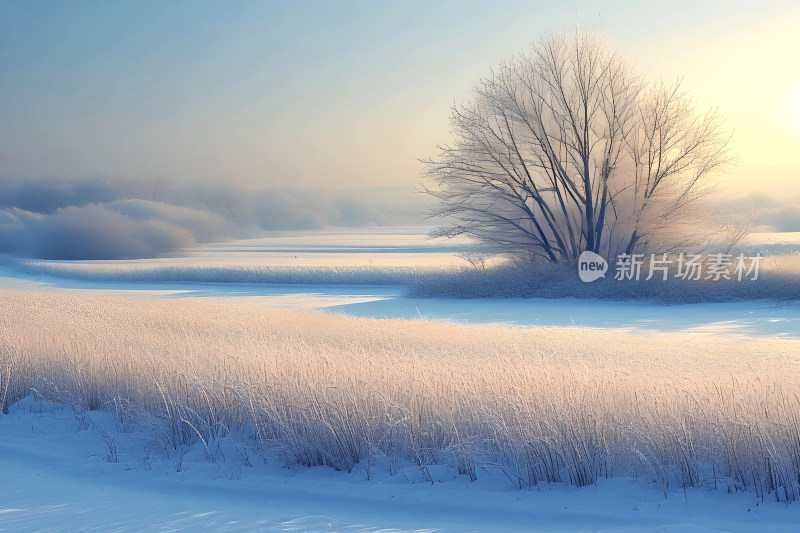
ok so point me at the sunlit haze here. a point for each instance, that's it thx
(347, 94)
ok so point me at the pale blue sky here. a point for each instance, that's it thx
(340, 94)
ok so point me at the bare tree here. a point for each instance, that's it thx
(566, 149)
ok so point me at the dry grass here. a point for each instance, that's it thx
(547, 405)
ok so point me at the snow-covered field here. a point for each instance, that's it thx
(67, 468)
(55, 476)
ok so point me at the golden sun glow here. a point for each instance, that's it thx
(792, 106)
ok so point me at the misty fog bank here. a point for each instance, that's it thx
(98, 218)
(111, 219)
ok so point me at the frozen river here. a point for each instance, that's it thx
(394, 248)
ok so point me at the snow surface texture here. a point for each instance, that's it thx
(59, 474)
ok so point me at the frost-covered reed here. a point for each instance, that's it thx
(535, 406)
(779, 279)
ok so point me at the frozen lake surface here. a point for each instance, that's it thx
(405, 247)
